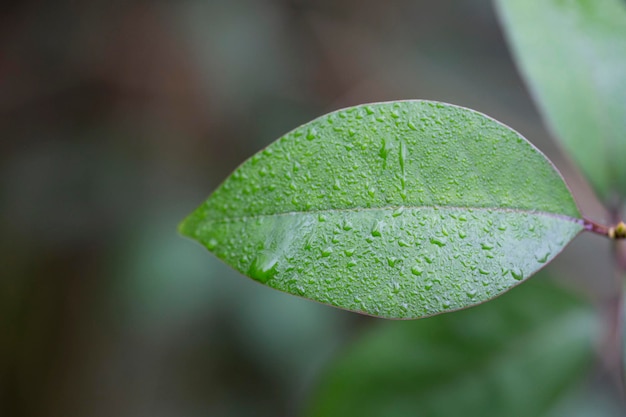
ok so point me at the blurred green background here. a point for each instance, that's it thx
(117, 118)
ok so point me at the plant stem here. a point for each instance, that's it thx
(614, 341)
(596, 228)
(614, 232)
(612, 355)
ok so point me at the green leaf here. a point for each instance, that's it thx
(572, 54)
(401, 210)
(519, 356)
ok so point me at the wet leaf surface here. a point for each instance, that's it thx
(400, 210)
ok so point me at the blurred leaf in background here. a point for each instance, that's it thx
(573, 54)
(527, 353)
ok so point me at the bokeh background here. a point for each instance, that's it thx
(117, 118)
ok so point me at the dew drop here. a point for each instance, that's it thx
(483, 271)
(412, 126)
(398, 212)
(439, 242)
(263, 268)
(486, 246)
(416, 270)
(311, 134)
(384, 149)
(462, 234)
(211, 244)
(402, 157)
(471, 293)
(544, 258)
(377, 230)
(327, 252)
(518, 274)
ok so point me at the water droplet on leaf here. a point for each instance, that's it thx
(518, 274)
(439, 242)
(263, 268)
(392, 261)
(311, 134)
(544, 258)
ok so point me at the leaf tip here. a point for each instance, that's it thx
(188, 226)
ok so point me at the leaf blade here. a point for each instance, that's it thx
(451, 223)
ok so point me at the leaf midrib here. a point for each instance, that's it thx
(394, 208)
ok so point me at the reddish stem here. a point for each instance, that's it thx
(596, 228)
